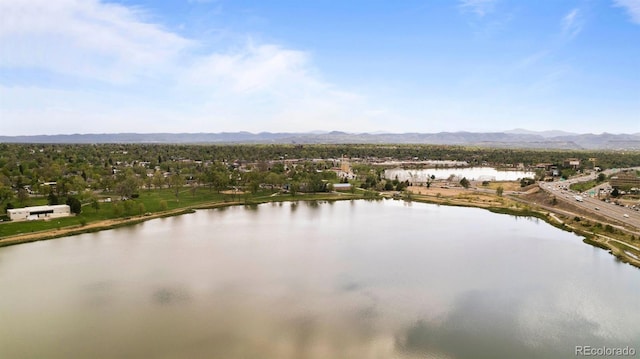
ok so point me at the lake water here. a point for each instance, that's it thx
(351, 279)
(471, 173)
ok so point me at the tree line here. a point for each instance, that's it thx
(126, 169)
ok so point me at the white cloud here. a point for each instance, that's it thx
(478, 7)
(632, 7)
(572, 23)
(106, 42)
(129, 74)
(251, 68)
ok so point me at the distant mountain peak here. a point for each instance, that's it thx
(545, 134)
(518, 138)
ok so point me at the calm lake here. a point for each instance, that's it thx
(351, 279)
(471, 173)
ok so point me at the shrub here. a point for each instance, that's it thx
(52, 199)
(75, 205)
(117, 210)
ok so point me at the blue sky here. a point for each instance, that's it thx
(74, 66)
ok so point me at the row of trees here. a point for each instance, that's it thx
(52, 160)
(124, 169)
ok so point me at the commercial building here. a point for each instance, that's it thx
(572, 163)
(39, 212)
(625, 180)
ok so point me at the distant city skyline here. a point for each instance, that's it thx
(90, 66)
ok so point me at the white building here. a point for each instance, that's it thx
(342, 186)
(39, 212)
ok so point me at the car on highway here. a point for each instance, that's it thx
(625, 215)
(597, 208)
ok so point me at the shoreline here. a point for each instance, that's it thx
(550, 217)
(132, 220)
(545, 214)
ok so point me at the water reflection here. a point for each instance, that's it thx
(167, 296)
(312, 204)
(350, 279)
(488, 324)
(251, 207)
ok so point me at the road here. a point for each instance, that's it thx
(593, 205)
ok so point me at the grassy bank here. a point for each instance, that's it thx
(150, 205)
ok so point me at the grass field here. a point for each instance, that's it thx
(583, 186)
(506, 185)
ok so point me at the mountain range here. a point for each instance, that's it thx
(518, 138)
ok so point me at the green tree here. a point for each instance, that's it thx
(220, 181)
(315, 183)
(127, 185)
(274, 180)
(177, 182)
(9, 205)
(6, 194)
(158, 179)
(254, 185)
(129, 207)
(464, 182)
(52, 199)
(95, 204)
(23, 196)
(278, 168)
(148, 180)
(117, 209)
(75, 205)
(294, 187)
(499, 191)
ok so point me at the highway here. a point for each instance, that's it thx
(593, 205)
